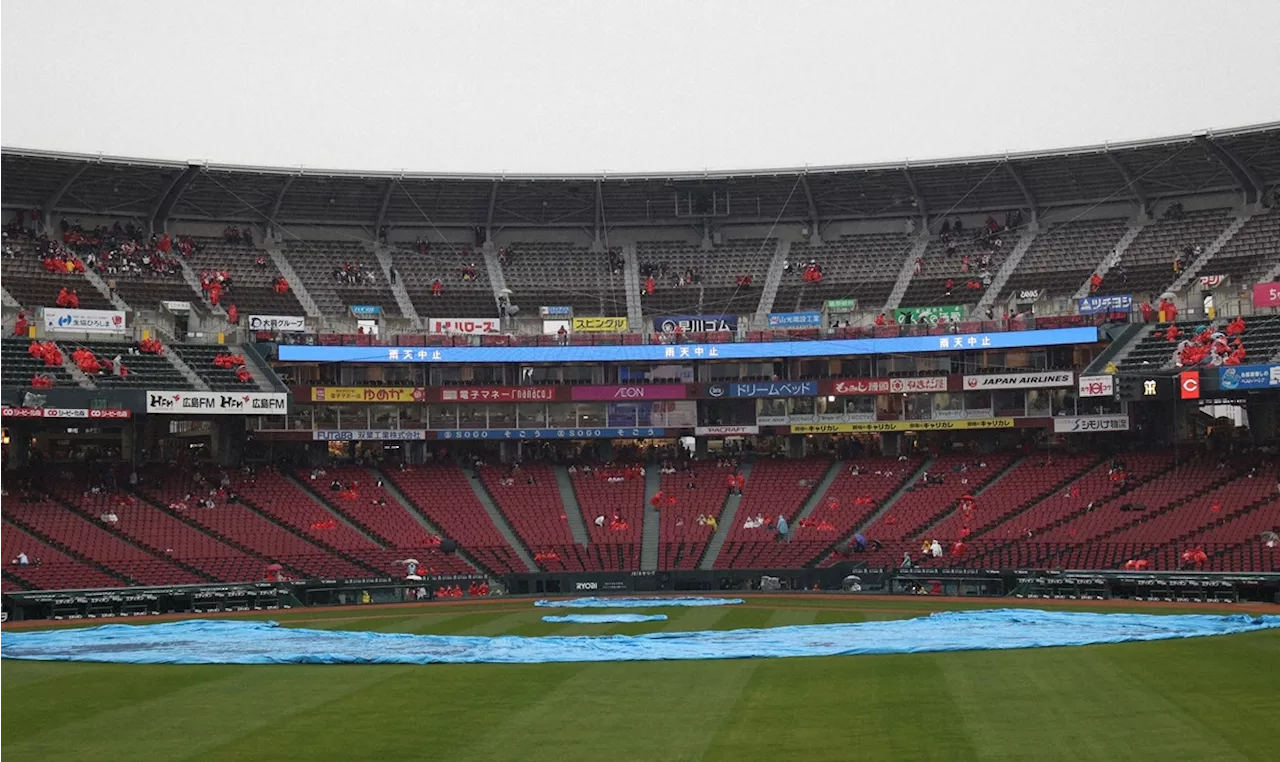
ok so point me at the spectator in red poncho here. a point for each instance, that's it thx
(1235, 327)
(20, 325)
(880, 319)
(649, 285)
(1095, 283)
(436, 287)
(233, 315)
(41, 381)
(281, 286)
(1172, 333)
(1147, 312)
(243, 375)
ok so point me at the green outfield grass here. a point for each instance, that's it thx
(1202, 699)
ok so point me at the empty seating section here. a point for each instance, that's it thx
(534, 510)
(145, 371)
(682, 540)
(251, 284)
(613, 547)
(380, 514)
(863, 267)
(458, 297)
(48, 568)
(1033, 479)
(1147, 265)
(852, 499)
(937, 267)
(166, 534)
(563, 274)
(1251, 252)
(89, 539)
(715, 290)
(278, 497)
(775, 487)
(1063, 257)
(1233, 542)
(1261, 340)
(199, 357)
(445, 497)
(950, 477)
(316, 262)
(26, 279)
(241, 525)
(19, 367)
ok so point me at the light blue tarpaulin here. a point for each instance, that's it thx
(240, 642)
(604, 618)
(636, 603)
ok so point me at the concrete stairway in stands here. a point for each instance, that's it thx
(500, 522)
(650, 537)
(572, 511)
(1006, 269)
(815, 497)
(885, 506)
(7, 298)
(397, 287)
(1194, 268)
(769, 292)
(101, 285)
(631, 282)
(497, 278)
(391, 489)
(296, 285)
(724, 526)
(907, 272)
(1112, 257)
(181, 366)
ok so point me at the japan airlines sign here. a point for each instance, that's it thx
(996, 381)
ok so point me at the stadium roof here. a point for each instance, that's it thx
(1245, 160)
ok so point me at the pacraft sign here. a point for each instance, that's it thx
(277, 323)
(696, 323)
(795, 320)
(1249, 377)
(218, 403)
(1018, 380)
(470, 326)
(83, 321)
(1106, 305)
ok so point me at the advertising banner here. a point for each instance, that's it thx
(1030, 294)
(1212, 281)
(726, 431)
(369, 435)
(696, 323)
(365, 310)
(952, 314)
(1019, 380)
(560, 311)
(218, 403)
(280, 323)
(1249, 377)
(883, 426)
(842, 305)
(175, 306)
(795, 320)
(64, 412)
(599, 324)
(726, 351)
(83, 321)
(764, 389)
(1266, 294)
(1097, 386)
(498, 394)
(469, 326)
(1105, 305)
(861, 386)
(602, 433)
(368, 394)
(633, 392)
(1089, 424)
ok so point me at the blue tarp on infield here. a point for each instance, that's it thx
(239, 642)
(637, 603)
(604, 618)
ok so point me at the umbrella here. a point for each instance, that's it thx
(1270, 539)
(274, 567)
(861, 539)
(413, 561)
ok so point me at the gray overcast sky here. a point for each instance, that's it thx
(585, 86)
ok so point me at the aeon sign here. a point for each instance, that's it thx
(630, 392)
